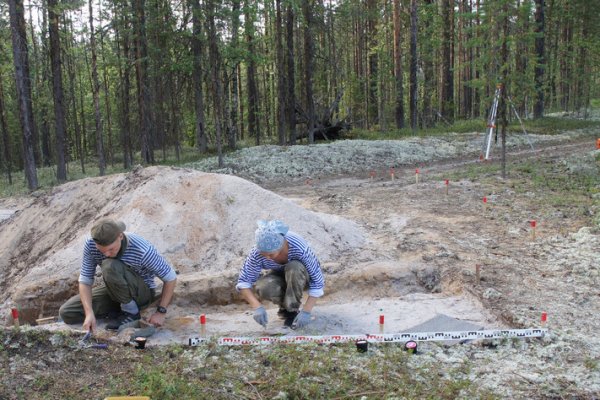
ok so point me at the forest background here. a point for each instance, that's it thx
(87, 87)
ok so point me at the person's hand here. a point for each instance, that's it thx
(301, 320)
(157, 319)
(89, 324)
(260, 316)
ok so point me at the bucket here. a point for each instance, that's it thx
(362, 346)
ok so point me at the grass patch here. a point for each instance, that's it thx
(569, 185)
(301, 372)
(462, 126)
(47, 175)
(542, 126)
(218, 372)
(555, 125)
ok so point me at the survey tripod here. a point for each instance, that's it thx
(491, 123)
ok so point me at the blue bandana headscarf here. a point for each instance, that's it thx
(269, 235)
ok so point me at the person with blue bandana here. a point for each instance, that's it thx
(291, 267)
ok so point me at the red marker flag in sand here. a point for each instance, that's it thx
(15, 315)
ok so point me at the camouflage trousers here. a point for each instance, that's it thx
(284, 287)
(121, 285)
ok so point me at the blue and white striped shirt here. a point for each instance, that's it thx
(298, 250)
(140, 255)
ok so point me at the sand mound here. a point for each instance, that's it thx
(202, 223)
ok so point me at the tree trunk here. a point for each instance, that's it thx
(96, 95)
(446, 75)
(540, 65)
(280, 67)
(398, 74)
(107, 103)
(502, 106)
(332, 48)
(200, 124)
(23, 86)
(215, 70)
(372, 18)
(290, 97)
(73, 102)
(476, 104)
(565, 59)
(82, 93)
(413, 66)
(5, 137)
(427, 53)
(176, 117)
(309, 63)
(57, 89)
(122, 40)
(268, 82)
(580, 67)
(141, 66)
(465, 60)
(235, 99)
(156, 77)
(38, 90)
(253, 127)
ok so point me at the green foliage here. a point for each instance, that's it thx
(161, 382)
(591, 363)
(544, 126)
(47, 178)
(342, 48)
(287, 371)
(555, 125)
(47, 175)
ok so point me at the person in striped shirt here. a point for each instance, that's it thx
(292, 266)
(129, 265)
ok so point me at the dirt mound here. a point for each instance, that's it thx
(202, 223)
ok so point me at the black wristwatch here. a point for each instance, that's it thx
(161, 310)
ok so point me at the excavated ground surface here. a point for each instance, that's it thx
(423, 242)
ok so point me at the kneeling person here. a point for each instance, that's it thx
(292, 267)
(129, 265)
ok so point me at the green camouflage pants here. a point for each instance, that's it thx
(121, 285)
(284, 287)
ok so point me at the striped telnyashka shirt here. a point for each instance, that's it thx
(298, 250)
(140, 255)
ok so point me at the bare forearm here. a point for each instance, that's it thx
(85, 293)
(158, 318)
(167, 293)
(310, 303)
(249, 296)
